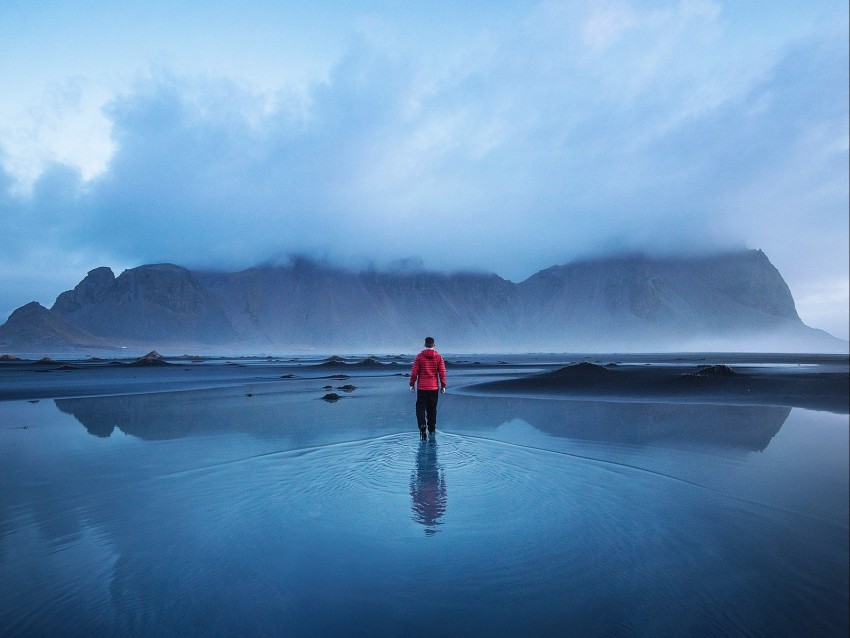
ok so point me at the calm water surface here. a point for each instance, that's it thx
(213, 513)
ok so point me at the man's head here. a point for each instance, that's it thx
(429, 342)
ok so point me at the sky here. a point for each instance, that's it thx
(504, 136)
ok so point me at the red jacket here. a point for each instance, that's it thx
(428, 367)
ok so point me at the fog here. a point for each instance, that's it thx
(572, 132)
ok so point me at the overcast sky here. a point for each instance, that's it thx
(504, 136)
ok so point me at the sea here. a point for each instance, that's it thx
(266, 508)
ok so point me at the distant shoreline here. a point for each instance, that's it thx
(555, 357)
(811, 381)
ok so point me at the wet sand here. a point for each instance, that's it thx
(193, 493)
(817, 382)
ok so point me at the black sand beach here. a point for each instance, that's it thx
(817, 383)
(813, 381)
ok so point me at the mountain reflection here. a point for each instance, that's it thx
(166, 415)
(742, 427)
(428, 488)
(299, 416)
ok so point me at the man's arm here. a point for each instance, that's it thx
(414, 372)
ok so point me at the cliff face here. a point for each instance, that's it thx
(313, 306)
(641, 298)
(628, 303)
(160, 302)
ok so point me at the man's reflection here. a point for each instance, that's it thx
(428, 488)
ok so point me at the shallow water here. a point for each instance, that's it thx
(209, 512)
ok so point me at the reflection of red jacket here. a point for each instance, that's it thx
(427, 367)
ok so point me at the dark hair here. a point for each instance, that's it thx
(429, 342)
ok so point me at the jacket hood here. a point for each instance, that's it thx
(429, 353)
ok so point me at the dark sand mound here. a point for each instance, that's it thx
(370, 362)
(778, 386)
(152, 358)
(714, 371)
(583, 369)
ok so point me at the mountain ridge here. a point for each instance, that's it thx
(623, 303)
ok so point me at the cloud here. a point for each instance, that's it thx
(587, 128)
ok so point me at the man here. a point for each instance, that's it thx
(429, 370)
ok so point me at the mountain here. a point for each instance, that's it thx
(734, 301)
(162, 303)
(638, 298)
(34, 326)
(308, 305)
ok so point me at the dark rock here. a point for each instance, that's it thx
(347, 388)
(583, 369)
(152, 358)
(91, 290)
(330, 397)
(720, 370)
(369, 362)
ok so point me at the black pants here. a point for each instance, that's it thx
(426, 409)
